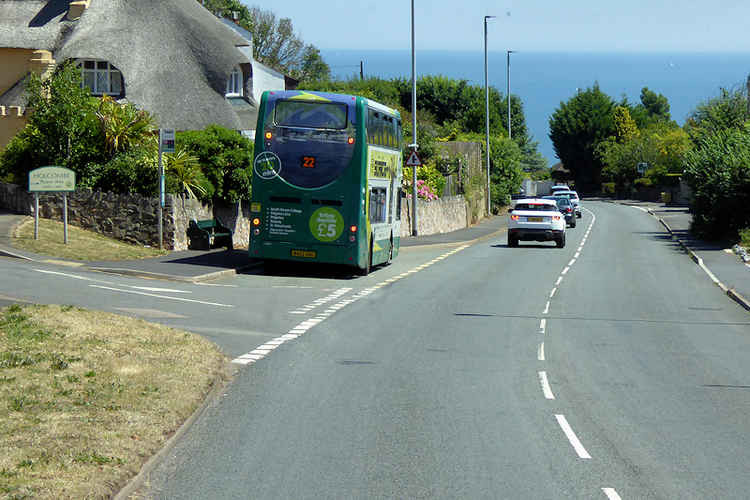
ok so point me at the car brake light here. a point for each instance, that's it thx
(555, 217)
(514, 217)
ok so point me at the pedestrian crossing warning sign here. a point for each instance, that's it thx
(413, 160)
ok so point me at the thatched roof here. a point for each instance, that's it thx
(174, 55)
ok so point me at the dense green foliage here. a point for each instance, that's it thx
(62, 130)
(226, 159)
(576, 129)
(718, 171)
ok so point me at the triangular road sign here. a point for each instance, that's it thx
(413, 160)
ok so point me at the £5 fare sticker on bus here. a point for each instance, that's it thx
(326, 224)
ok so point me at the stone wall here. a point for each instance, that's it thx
(130, 218)
(133, 218)
(437, 216)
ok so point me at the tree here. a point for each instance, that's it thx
(123, 125)
(718, 171)
(274, 41)
(225, 157)
(505, 170)
(727, 111)
(62, 129)
(576, 129)
(313, 68)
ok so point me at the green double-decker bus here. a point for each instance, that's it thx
(326, 180)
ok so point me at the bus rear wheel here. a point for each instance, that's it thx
(368, 266)
(390, 253)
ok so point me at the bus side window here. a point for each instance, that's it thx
(377, 205)
(401, 194)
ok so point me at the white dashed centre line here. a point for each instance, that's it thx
(552, 293)
(540, 353)
(574, 441)
(611, 494)
(542, 325)
(546, 389)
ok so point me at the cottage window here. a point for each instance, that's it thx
(100, 77)
(234, 84)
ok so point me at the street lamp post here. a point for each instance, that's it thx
(414, 144)
(487, 114)
(508, 91)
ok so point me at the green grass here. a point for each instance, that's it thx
(87, 397)
(82, 245)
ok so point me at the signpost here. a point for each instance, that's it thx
(51, 180)
(166, 145)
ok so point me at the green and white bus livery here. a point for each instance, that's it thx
(326, 180)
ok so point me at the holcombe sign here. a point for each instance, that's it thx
(52, 179)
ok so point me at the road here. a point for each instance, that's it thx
(612, 368)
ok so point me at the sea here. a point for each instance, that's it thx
(543, 80)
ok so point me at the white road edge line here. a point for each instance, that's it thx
(179, 299)
(611, 494)
(574, 441)
(546, 389)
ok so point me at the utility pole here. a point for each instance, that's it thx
(361, 70)
(414, 146)
(487, 115)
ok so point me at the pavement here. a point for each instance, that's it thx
(204, 265)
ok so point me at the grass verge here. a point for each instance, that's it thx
(82, 244)
(87, 397)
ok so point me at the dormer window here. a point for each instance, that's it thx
(234, 84)
(100, 77)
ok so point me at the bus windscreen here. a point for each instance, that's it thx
(300, 114)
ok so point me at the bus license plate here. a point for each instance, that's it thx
(310, 254)
(536, 219)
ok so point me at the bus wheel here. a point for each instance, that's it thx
(390, 253)
(368, 266)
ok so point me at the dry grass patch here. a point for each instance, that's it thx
(82, 244)
(87, 397)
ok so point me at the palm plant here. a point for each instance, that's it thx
(123, 125)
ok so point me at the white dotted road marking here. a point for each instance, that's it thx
(552, 293)
(546, 389)
(542, 325)
(559, 280)
(574, 441)
(565, 271)
(546, 308)
(611, 494)
(263, 350)
(540, 352)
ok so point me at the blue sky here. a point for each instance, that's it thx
(530, 25)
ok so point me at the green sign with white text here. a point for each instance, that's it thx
(52, 179)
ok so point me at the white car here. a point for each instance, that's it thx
(536, 219)
(559, 187)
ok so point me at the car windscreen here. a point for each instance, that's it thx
(532, 207)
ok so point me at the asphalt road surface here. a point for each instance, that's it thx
(611, 368)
